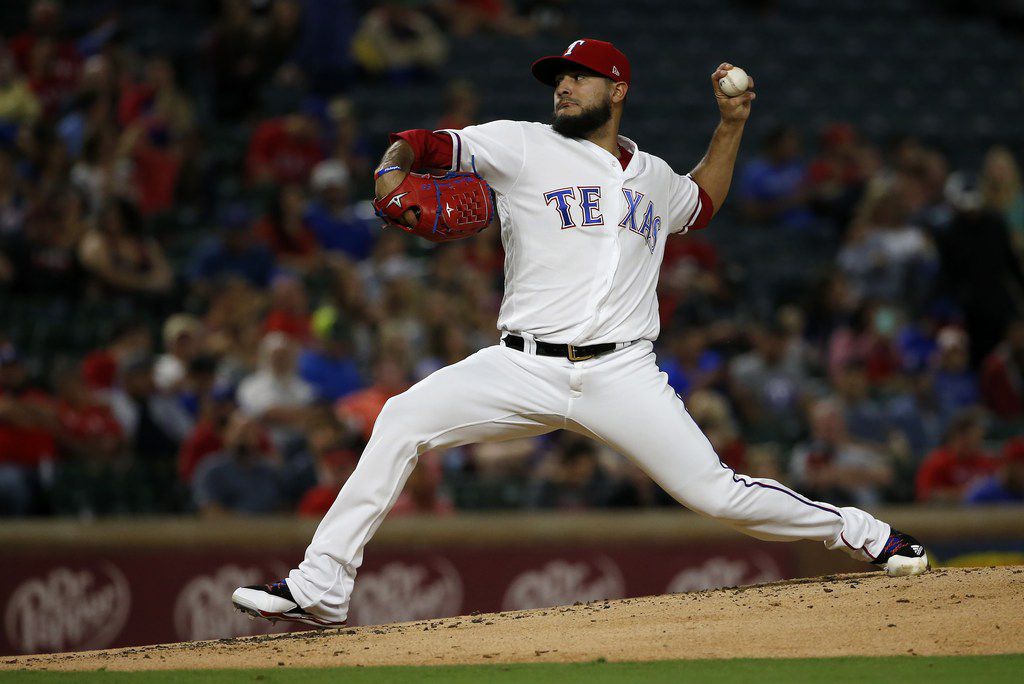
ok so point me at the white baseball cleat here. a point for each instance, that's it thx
(275, 602)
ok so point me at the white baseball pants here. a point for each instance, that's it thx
(621, 399)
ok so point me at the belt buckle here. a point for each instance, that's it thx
(573, 357)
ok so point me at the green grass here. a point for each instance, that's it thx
(903, 669)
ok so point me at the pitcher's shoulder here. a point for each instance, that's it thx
(536, 128)
(497, 127)
(655, 162)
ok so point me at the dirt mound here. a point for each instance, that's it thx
(946, 612)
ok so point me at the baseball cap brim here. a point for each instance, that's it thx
(546, 68)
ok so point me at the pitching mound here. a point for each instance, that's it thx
(946, 612)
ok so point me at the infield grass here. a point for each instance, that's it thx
(933, 670)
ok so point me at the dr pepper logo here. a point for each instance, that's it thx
(68, 609)
(562, 582)
(401, 592)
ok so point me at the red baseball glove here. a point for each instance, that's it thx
(448, 207)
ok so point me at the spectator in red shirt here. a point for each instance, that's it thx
(360, 409)
(207, 437)
(44, 21)
(155, 162)
(27, 423)
(88, 426)
(99, 368)
(949, 471)
(1002, 375)
(333, 470)
(289, 309)
(1006, 486)
(27, 417)
(157, 115)
(157, 96)
(333, 462)
(52, 77)
(284, 230)
(835, 177)
(284, 150)
(50, 62)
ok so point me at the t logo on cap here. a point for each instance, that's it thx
(575, 44)
(598, 56)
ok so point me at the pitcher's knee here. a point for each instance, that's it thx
(710, 506)
(393, 410)
(403, 419)
(698, 498)
(713, 492)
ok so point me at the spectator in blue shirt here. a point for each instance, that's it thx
(1007, 485)
(233, 253)
(773, 187)
(690, 365)
(337, 224)
(914, 412)
(328, 365)
(864, 416)
(243, 477)
(955, 385)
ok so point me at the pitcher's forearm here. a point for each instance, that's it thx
(714, 172)
(400, 154)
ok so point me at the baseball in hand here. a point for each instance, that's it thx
(735, 82)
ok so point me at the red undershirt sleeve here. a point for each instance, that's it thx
(431, 150)
(705, 210)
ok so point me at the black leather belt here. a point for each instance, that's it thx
(566, 351)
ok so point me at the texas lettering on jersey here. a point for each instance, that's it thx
(649, 226)
(589, 203)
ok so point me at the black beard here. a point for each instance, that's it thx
(584, 123)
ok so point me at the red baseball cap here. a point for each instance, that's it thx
(596, 55)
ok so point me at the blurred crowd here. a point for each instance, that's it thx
(199, 312)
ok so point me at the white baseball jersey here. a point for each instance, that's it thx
(584, 239)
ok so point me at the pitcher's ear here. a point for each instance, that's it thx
(619, 91)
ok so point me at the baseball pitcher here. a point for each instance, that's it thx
(584, 215)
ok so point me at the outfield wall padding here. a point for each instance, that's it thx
(72, 585)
